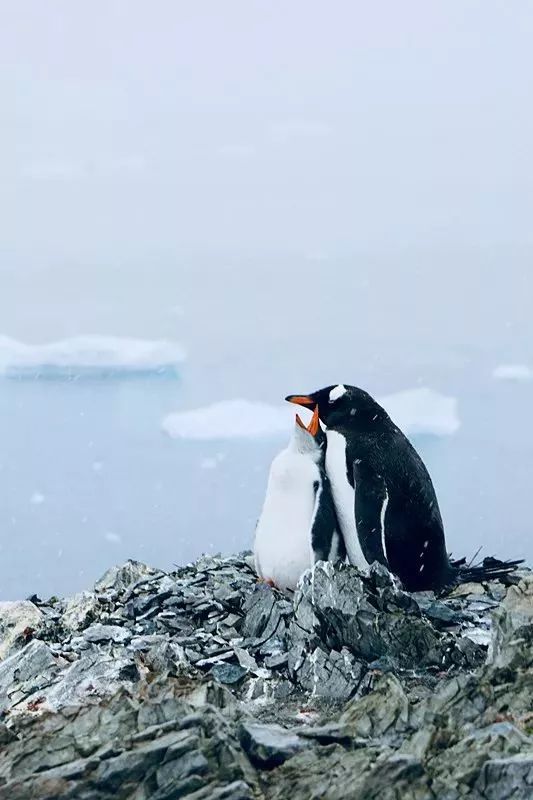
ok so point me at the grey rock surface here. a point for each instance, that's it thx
(79, 611)
(17, 620)
(205, 684)
(269, 745)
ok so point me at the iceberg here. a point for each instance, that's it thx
(230, 419)
(422, 411)
(513, 372)
(419, 411)
(89, 356)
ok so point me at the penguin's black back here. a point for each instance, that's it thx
(414, 532)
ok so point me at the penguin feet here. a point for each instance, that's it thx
(268, 582)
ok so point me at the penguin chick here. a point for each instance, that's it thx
(298, 525)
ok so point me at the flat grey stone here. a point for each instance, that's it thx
(268, 746)
(106, 633)
(228, 673)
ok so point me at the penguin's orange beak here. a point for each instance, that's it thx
(300, 399)
(313, 426)
(300, 423)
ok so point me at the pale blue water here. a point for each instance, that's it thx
(88, 479)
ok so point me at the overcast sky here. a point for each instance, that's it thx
(135, 128)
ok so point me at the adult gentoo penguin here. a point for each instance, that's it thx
(384, 498)
(297, 526)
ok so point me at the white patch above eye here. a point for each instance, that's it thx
(336, 392)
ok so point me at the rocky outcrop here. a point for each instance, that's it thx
(206, 685)
(18, 620)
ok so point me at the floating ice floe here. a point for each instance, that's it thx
(417, 411)
(89, 356)
(423, 411)
(230, 419)
(513, 372)
(212, 462)
(37, 499)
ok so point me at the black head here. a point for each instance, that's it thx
(341, 406)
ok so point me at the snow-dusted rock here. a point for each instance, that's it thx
(204, 684)
(16, 618)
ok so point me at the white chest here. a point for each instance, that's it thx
(282, 545)
(343, 497)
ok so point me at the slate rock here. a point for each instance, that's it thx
(95, 674)
(79, 611)
(125, 576)
(333, 606)
(334, 675)
(513, 622)
(506, 778)
(261, 615)
(228, 673)
(268, 746)
(26, 672)
(106, 633)
(384, 710)
(204, 685)
(6, 735)
(16, 618)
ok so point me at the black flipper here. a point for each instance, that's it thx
(370, 501)
(325, 526)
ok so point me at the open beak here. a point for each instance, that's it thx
(300, 399)
(313, 426)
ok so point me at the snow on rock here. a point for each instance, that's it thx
(423, 411)
(89, 355)
(416, 411)
(16, 617)
(513, 372)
